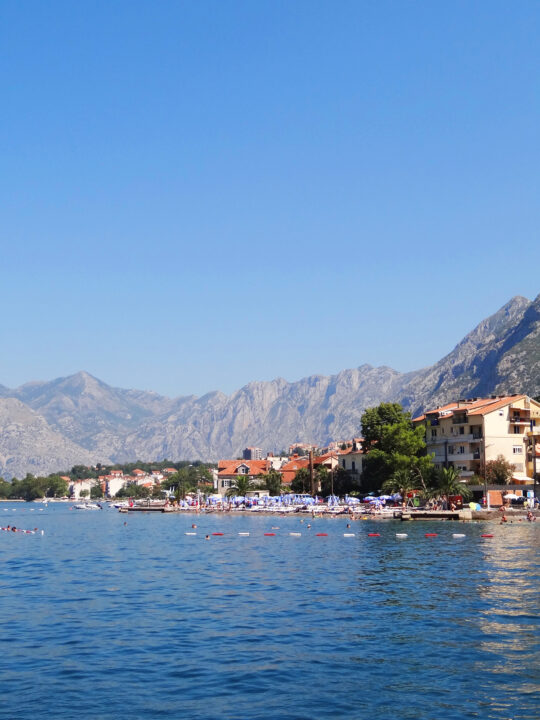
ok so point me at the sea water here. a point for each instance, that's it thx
(108, 615)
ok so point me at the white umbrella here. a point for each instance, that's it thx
(511, 496)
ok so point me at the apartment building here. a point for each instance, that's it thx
(469, 433)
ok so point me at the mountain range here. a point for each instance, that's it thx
(50, 426)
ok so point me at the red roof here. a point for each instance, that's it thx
(231, 467)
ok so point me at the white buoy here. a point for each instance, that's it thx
(295, 534)
(244, 534)
(458, 535)
(43, 532)
(401, 535)
(348, 535)
(190, 533)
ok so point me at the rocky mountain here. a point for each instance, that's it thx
(46, 426)
(28, 444)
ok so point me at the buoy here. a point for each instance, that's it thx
(401, 535)
(321, 534)
(243, 534)
(486, 535)
(217, 533)
(458, 535)
(348, 535)
(373, 535)
(190, 533)
(431, 534)
(269, 533)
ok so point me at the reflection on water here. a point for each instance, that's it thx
(141, 621)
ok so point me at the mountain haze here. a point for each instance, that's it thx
(48, 426)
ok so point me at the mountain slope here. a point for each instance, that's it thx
(28, 444)
(81, 417)
(471, 368)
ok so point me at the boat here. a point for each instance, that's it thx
(88, 506)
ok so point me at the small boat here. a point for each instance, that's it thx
(88, 506)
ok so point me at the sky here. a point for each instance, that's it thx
(196, 195)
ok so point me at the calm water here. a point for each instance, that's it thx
(106, 620)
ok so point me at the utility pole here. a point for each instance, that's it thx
(311, 478)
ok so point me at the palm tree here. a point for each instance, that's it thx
(403, 482)
(242, 485)
(448, 482)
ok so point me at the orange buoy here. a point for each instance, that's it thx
(321, 534)
(374, 535)
(217, 533)
(431, 534)
(486, 535)
(270, 534)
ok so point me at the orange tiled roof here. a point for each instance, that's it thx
(255, 467)
(495, 404)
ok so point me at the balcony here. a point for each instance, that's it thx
(461, 457)
(460, 420)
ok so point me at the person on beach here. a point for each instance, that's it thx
(503, 518)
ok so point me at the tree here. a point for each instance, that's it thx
(273, 482)
(183, 481)
(447, 482)
(393, 444)
(241, 486)
(96, 491)
(57, 486)
(301, 482)
(322, 478)
(403, 481)
(499, 471)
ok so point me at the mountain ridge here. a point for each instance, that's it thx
(84, 418)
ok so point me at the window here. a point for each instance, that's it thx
(353, 466)
(462, 430)
(226, 483)
(517, 450)
(461, 449)
(343, 463)
(517, 430)
(433, 433)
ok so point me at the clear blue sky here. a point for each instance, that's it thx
(200, 194)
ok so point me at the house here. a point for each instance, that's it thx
(229, 470)
(467, 434)
(78, 486)
(289, 470)
(352, 457)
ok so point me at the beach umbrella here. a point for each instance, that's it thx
(511, 496)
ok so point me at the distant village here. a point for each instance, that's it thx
(466, 435)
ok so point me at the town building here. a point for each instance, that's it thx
(229, 470)
(252, 453)
(467, 434)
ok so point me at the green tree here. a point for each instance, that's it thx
(241, 486)
(96, 491)
(403, 481)
(498, 471)
(57, 486)
(183, 481)
(393, 444)
(301, 482)
(447, 482)
(273, 482)
(5, 489)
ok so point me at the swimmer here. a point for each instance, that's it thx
(207, 537)
(309, 526)
(348, 525)
(193, 526)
